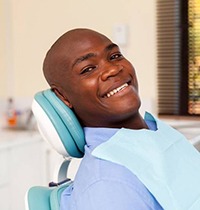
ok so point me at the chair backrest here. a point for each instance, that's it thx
(60, 127)
(44, 198)
(58, 124)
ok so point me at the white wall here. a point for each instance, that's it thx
(28, 28)
(3, 52)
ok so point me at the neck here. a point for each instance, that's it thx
(132, 122)
(136, 122)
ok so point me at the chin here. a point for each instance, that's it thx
(131, 109)
(132, 105)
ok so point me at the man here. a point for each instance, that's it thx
(90, 75)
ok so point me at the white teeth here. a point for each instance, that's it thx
(112, 92)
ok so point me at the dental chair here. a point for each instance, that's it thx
(59, 126)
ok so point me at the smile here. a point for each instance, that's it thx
(116, 90)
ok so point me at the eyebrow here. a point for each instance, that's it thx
(82, 58)
(111, 46)
(89, 55)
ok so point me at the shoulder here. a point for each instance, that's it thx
(105, 183)
(111, 195)
(93, 170)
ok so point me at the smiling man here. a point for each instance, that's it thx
(90, 75)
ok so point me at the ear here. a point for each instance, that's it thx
(60, 95)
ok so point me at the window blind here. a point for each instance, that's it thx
(168, 56)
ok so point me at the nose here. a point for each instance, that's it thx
(110, 70)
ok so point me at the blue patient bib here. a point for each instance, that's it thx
(164, 161)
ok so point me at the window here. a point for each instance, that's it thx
(194, 56)
(178, 53)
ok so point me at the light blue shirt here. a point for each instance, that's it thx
(103, 185)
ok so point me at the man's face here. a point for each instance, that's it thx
(100, 83)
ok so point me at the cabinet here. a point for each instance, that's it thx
(25, 161)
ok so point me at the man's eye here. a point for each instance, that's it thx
(116, 56)
(87, 69)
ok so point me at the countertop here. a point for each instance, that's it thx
(11, 137)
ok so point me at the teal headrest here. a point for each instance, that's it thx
(58, 124)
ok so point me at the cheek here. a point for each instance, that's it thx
(83, 92)
(90, 84)
(89, 88)
(135, 81)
